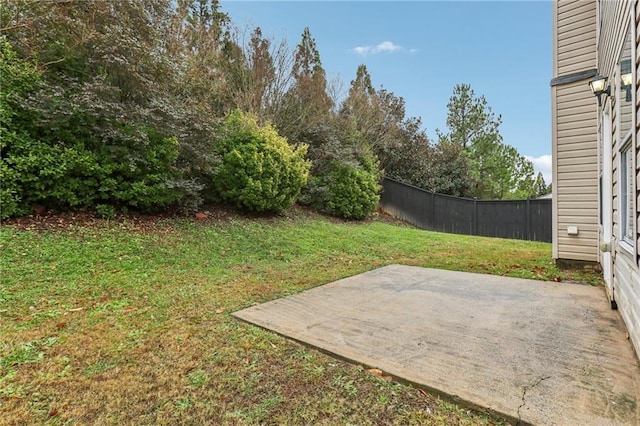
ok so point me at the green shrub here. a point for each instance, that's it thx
(71, 174)
(345, 177)
(259, 170)
(16, 77)
(351, 191)
(74, 146)
(10, 200)
(105, 211)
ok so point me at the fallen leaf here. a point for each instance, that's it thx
(53, 413)
(220, 310)
(556, 279)
(75, 309)
(375, 372)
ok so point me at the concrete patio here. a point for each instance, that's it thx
(537, 352)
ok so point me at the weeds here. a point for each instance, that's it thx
(109, 323)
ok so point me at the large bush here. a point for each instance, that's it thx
(74, 145)
(259, 170)
(352, 192)
(345, 177)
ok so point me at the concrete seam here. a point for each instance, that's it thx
(524, 396)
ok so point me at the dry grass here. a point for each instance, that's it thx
(120, 323)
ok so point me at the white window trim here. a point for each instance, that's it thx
(625, 242)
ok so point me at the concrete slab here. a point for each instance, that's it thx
(538, 352)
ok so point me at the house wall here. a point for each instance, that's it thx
(576, 36)
(636, 56)
(616, 20)
(574, 131)
(613, 20)
(576, 179)
(590, 37)
(631, 311)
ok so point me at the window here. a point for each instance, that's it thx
(626, 194)
(625, 89)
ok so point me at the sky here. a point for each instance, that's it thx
(420, 50)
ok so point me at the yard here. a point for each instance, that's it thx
(128, 321)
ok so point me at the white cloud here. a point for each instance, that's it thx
(362, 50)
(387, 46)
(384, 47)
(542, 164)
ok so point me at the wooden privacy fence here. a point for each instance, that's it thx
(517, 219)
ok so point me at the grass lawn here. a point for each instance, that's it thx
(128, 321)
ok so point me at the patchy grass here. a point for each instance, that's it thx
(109, 322)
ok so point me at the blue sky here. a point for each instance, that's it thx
(421, 49)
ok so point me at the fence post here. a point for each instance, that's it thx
(433, 210)
(528, 213)
(475, 216)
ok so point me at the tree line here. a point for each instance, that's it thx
(154, 104)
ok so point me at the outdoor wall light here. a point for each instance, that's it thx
(626, 78)
(599, 87)
(626, 86)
